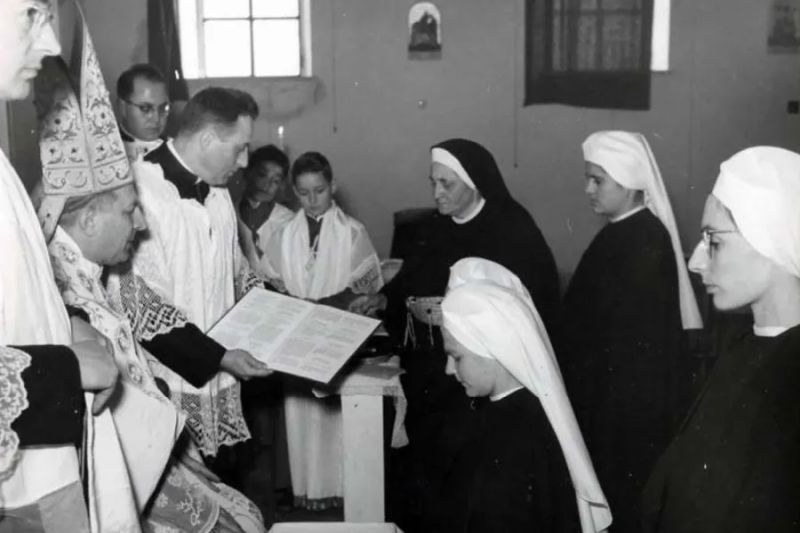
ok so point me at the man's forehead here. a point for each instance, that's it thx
(153, 89)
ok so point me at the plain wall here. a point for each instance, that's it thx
(723, 92)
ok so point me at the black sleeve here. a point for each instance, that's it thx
(340, 300)
(73, 311)
(188, 352)
(55, 398)
(268, 286)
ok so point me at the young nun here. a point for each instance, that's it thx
(624, 314)
(734, 464)
(261, 217)
(476, 217)
(512, 476)
(325, 255)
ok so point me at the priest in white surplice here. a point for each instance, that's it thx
(43, 366)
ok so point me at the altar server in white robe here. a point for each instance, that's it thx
(261, 216)
(43, 366)
(324, 255)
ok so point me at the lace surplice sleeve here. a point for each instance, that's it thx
(41, 399)
(164, 331)
(14, 400)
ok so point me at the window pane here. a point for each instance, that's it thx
(190, 57)
(660, 54)
(277, 47)
(227, 48)
(226, 9)
(276, 8)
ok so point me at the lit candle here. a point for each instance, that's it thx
(280, 137)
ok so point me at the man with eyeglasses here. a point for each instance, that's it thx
(46, 361)
(143, 107)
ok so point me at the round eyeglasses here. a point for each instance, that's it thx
(150, 109)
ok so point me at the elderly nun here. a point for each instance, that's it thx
(625, 312)
(734, 465)
(513, 476)
(476, 217)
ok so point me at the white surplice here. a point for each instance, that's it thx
(31, 312)
(191, 257)
(259, 254)
(342, 258)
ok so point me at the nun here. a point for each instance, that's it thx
(734, 464)
(515, 473)
(475, 216)
(625, 312)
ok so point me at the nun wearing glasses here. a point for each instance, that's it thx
(734, 464)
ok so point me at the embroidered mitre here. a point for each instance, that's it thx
(80, 145)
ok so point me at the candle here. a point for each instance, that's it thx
(280, 137)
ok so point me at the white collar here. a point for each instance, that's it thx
(506, 394)
(472, 214)
(768, 331)
(171, 147)
(628, 213)
(137, 140)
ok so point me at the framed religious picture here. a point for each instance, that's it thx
(784, 27)
(424, 31)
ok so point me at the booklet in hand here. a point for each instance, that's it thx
(292, 335)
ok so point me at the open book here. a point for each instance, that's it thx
(291, 335)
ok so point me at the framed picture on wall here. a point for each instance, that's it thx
(424, 31)
(784, 27)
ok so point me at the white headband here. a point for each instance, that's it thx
(442, 156)
(761, 188)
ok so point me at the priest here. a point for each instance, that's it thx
(43, 374)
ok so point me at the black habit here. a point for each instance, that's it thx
(506, 473)
(621, 344)
(504, 232)
(734, 465)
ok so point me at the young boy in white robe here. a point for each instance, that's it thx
(324, 255)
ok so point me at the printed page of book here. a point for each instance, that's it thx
(260, 322)
(293, 336)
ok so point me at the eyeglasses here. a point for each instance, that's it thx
(706, 242)
(149, 109)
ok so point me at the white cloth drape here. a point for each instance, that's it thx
(628, 159)
(129, 444)
(190, 253)
(31, 312)
(761, 188)
(489, 312)
(260, 255)
(345, 258)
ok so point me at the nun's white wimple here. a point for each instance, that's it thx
(442, 156)
(761, 188)
(488, 310)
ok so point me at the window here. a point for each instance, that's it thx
(595, 53)
(608, 35)
(244, 38)
(659, 52)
